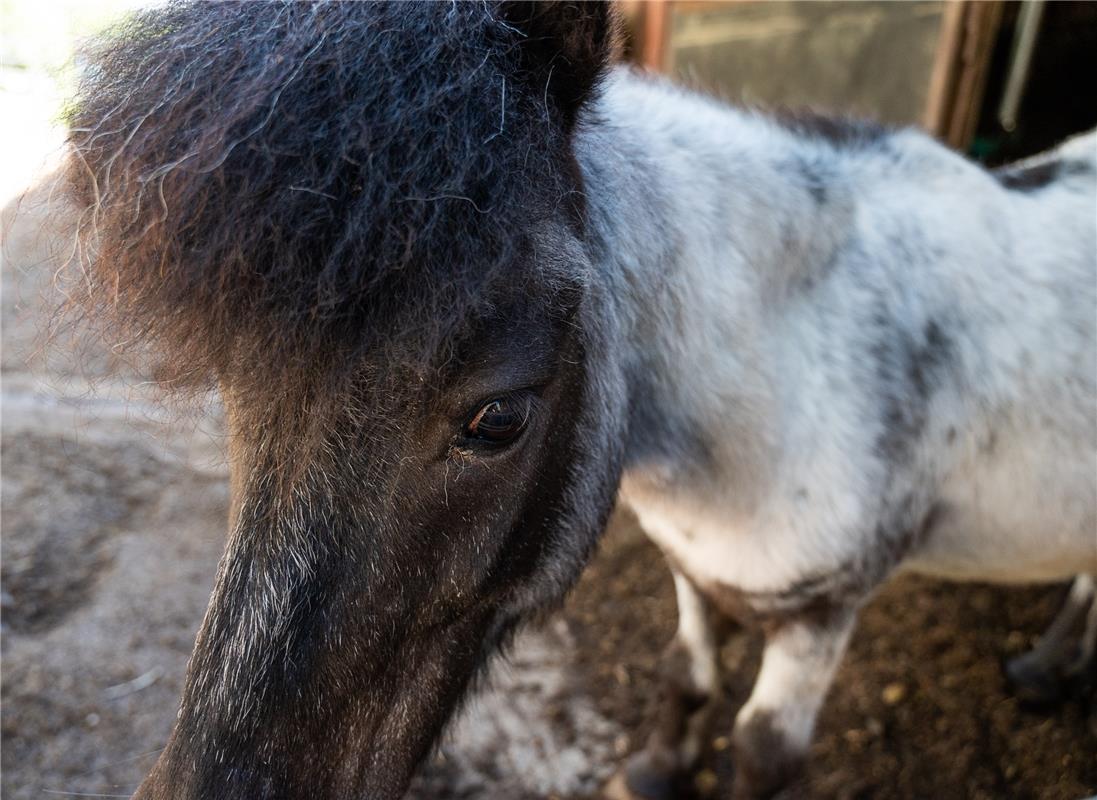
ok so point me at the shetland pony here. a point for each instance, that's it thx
(463, 283)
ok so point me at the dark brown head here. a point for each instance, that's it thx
(364, 222)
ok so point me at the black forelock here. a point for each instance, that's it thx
(290, 185)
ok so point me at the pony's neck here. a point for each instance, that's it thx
(704, 215)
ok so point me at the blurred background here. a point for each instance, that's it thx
(113, 508)
(997, 80)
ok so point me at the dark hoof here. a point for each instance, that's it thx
(1033, 684)
(645, 776)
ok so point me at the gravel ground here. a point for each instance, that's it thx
(113, 518)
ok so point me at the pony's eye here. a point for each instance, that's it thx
(499, 421)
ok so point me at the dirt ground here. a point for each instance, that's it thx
(113, 517)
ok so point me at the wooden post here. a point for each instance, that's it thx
(656, 19)
(969, 31)
(984, 20)
(945, 62)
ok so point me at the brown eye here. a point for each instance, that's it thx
(498, 421)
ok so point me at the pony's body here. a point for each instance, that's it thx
(462, 285)
(853, 352)
(852, 334)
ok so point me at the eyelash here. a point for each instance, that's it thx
(527, 402)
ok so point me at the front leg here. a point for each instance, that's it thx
(690, 682)
(773, 729)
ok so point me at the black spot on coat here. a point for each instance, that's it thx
(843, 132)
(1039, 176)
(910, 371)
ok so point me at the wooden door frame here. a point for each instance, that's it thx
(958, 79)
(958, 76)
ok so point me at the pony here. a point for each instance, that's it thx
(463, 283)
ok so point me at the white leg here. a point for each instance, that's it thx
(1087, 650)
(691, 678)
(695, 638)
(773, 729)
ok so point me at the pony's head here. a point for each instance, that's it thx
(365, 223)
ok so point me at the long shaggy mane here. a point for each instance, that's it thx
(275, 192)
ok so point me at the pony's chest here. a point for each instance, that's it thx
(716, 546)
